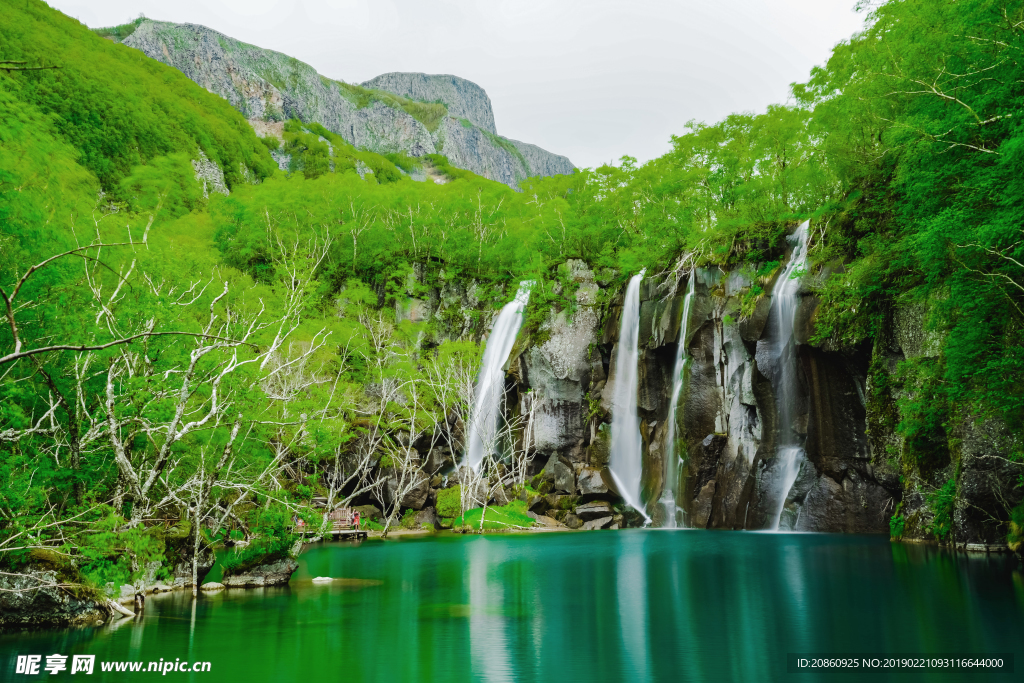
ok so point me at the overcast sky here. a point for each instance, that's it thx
(590, 79)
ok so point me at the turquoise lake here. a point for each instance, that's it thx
(636, 605)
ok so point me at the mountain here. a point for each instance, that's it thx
(414, 114)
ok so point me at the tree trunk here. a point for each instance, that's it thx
(195, 553)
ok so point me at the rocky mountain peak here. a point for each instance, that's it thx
(464, 99)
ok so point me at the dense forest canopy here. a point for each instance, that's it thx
(268, 365)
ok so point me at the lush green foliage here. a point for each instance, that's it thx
(906, 154)
(120, 32)
(941, 502)
(118, 108)
(923, 136)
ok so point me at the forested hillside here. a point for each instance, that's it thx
(179, 364)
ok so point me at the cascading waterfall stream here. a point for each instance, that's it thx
(670, 493)
(490, 385)
(626, 465)
(785, 299)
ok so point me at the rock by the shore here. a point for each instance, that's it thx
(426, 517)
(272, 574)
(212, 586)
(572, 521)
(598, 523)
(32, 598)
(594, 510)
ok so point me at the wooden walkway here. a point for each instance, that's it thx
(344, 526)
(340, 534)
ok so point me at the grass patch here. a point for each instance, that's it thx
(509, 516)
(441, 166)
(508, 147)
(430, 114)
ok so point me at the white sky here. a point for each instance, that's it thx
(590, 79)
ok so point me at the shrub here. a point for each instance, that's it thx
(1015, 538)
(260, 551)
(941, 502)
(402, 161)
(449, 502)
(896, 524)
(408, 520)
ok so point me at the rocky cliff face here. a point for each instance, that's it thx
(851, 478)
(269, 86)
(464, 99)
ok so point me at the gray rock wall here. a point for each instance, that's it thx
(855, 474)
(464, 99)
(266, 85)
(726, 415)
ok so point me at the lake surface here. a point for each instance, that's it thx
(636, 605)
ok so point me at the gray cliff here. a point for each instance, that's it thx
(269, 86)
(464, 99)
(563, 375)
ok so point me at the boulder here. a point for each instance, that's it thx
(591, 485)
(212, 586)
(599, 523)
(270, 574)
(368, 512)
(572, 521)
(559, 502)
(537, 504)
(543, 520)
(415, 497)
(437, 459)
(426, 517)
(560, 474)
(594, 510)
(503, 496)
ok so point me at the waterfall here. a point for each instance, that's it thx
(670, 491)
(490, 385)
(785, 299)
(626, 457)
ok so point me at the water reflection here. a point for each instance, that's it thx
(487, 635)
(631, 584)
(603, 606)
